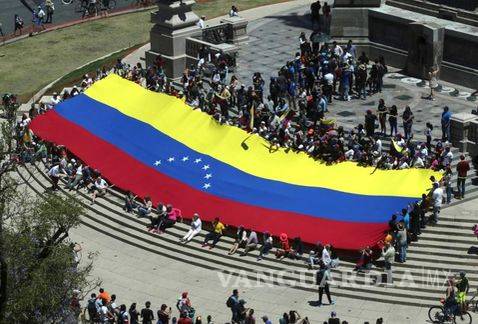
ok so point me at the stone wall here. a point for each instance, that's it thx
(389, 36)
(460, 49)
(462, 4)
(388, 32)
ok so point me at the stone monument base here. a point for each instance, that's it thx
(349, 22)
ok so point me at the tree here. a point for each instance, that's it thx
(38, 271)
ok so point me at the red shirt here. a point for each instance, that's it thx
(185, 320)
(462, 167)
(285, 245)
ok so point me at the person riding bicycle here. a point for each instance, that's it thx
(463, 287)
(450, 306)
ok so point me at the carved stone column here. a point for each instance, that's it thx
(425, 48)
(459, 129)
(174, 21)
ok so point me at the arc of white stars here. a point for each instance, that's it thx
(158, 162)
(207, 186)
(197, 160)
(206, 167)
(186, 158)
(171, 159)
(208, 176)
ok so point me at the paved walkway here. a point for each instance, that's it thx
(274, 39)
(137, 276)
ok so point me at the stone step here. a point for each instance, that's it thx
(462, 246)
(445, 224)
(430, 265)
(396, 294)
(468, 263)
(463, 219)
(445, 238)
(470, 194)
(448, 230)
(433, 248)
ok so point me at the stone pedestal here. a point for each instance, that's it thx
(350, 18)
(472, 143)
(238, 28)
(173, 23)
(459, 130)
(425, 48)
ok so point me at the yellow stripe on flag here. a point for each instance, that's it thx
(202, 133)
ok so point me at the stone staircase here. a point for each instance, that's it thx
(441, 250)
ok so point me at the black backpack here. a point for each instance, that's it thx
(121, 317)
(230, 302)
(92, 306)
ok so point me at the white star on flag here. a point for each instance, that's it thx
(197, 160)
(171, 159)
(208, 176)
(158, 162)
(186, 158)
(206, 186)
(205, 167)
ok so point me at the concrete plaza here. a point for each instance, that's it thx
(136, 275)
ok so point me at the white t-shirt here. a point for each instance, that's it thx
(448, 158)
(252, 238)
(329, 78)
(326, 257)
(101, 184)
(79, 170)
(54, 101)
(201, 23)
(437, 197)
(338, 51)
(55, 171)
(196, 225)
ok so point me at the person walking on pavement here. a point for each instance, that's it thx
(50, 9)
(445, 124)
(402, 242)
(462, 169)
(322, 278)
(388, 254)
(233, 303)
(437, 196)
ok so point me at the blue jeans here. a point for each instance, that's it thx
(445, 129)
(393, 126)
(407, 127)
(143, 211)
(265, 249)
(363, 92)
(461, 187)
(436, 212)
(449, 192)
(403, 253)
(346, 88)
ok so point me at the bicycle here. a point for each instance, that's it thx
(86, 6)
(437, 314)
(473, 302)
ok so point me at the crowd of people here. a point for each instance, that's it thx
(43, 14)
(293, 115)
(103, 307)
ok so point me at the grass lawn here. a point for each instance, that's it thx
(29, 64)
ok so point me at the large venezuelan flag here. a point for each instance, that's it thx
(155, 145)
